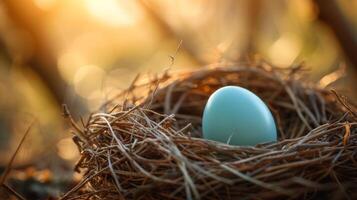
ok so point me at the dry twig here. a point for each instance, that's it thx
(135, 152)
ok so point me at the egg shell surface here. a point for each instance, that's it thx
(236, 116)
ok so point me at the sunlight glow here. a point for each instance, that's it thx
(67, 149)
(334, 76)
(88, 79)
(68, 65)
(112, 12)
(45, 4)
(284, 51)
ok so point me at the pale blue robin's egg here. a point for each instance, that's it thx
(236, 116)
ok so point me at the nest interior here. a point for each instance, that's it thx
(146, 142)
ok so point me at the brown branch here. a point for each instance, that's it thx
(331, 14)
(9, 165)
(13, 192)
(42, 61)
(255, 9)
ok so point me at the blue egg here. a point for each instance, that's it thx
(236, 116)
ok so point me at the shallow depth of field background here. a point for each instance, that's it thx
(82, 52)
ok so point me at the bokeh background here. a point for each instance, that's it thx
(82, 52)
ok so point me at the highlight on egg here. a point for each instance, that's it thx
(236, 116)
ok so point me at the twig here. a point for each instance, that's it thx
(9, 165)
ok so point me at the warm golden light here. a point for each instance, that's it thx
(285, 50)
(332, 77)
(67, 149)
(88, 80)
(84, 52)
(112, 12)
(69, 63)
(45, 4)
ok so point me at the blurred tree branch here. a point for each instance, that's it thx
(4, 52)
(42, 60)
(331, 14)
(255, 8)
(169, 31)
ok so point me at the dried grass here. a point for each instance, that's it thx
(147, 144)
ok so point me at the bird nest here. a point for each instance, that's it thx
(146, 142)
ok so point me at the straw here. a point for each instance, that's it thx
(148, 144)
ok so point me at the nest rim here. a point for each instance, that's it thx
(161, 123)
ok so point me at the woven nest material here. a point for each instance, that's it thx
(147, 145)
